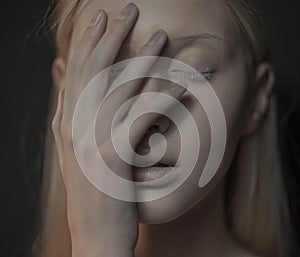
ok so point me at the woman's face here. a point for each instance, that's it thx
(222, 53)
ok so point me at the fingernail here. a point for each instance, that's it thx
(126, 12)
(156, 37)
(98, 17)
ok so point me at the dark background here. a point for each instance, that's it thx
(26, 55)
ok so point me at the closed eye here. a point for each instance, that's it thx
(200, 75)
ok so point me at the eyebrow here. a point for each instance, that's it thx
(183, 41)
(198, 36)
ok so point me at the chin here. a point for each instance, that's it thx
(181, 202)
(153, 213)
(187, 199)
(168, 208)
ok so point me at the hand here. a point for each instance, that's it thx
(99, 224)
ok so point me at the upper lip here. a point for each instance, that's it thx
(160, 164)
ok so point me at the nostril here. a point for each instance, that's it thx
(161, 125)
(153, 129)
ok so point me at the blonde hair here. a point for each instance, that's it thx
(257, 207)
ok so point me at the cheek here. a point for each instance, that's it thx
(233, 90)
(234, 97)
(232, 101)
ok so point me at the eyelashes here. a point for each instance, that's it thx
(195, 76)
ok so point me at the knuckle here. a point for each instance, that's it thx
(117, 22)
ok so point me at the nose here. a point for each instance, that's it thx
(161, 126)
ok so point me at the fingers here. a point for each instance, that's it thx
(96, 51)
(150, 103)
(109, 46)
(87, 43)
(83, 50)
(153, 47)
(135, 68)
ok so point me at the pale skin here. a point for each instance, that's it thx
(192, 222)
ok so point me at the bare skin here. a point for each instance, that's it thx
(190, 221)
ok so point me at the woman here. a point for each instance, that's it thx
(242, 211)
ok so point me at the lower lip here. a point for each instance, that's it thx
(150, 173)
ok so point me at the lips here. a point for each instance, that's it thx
(160, 165)
(145, 174)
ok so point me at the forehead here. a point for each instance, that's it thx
(179, 18)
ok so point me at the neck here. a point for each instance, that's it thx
(201, 231)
